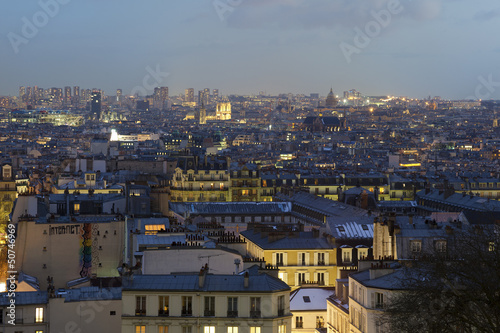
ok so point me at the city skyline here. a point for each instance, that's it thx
(398, 48)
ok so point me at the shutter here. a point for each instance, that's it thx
(308, 278)
(298, 258)
(296, 279)
(327, 258)
(285, 277)
(274, 258)
(316, 254)
(285, 259)
(315, 276)
(373, 300)
(307, 258)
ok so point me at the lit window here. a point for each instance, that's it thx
(162, 329)
(281, 328)
(209, 329)
(254, 329)
(39, 315)
(76, 208)
(152, 229)
(140, 329)
(232, 329)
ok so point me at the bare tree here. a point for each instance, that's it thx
(453, 291)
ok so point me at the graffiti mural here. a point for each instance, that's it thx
(86, 250)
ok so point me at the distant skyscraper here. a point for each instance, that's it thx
(67, 95)
(119, 94)
(95, 105)
(215, 94)
(201, 97)
(189, 95)
(22, 94)
(206, 96)
(76, 95)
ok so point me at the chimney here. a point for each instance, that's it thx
(237, 264)
(201, 276)
(245, 280)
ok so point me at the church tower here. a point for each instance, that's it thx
(331, 101)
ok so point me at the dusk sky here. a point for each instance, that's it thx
(427, 47)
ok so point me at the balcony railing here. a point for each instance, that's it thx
(209, 313)
(162, 313)
(299, 324)
(186, 312)
(232, 314)
(255, 314)
(140, 312)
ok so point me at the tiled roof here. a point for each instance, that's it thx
(213, 283)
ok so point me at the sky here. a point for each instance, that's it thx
(414, 48)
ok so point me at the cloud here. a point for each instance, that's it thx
(307, 14)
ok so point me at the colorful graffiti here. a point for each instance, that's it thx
(86, 250)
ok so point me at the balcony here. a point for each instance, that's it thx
(162, 313)
(186, 313)
(232, 314)
(299, 324)
(209, 313)
(255, 314)
(140, 312)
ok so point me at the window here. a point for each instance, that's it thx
(281, 305)
(76, 208)
(491, 246)
(321, 258)
(38, 331)
(299, 323)
(39, 315)
(321, 278)
(279, 259)
(378, 300)
(152, 229)
(140, 329)
(254, 307)
(346, 255)
(441, 246)
(320, 322)
(162, 329)
(163, 305)
(254, 329)
(302, 260)
(281, 328)
(140, 305)
(232, 306)
(416, 246)
(209, 329)
(187, 306)
(186, 329)
(301, 278)
(209, 306)
(232, 329)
